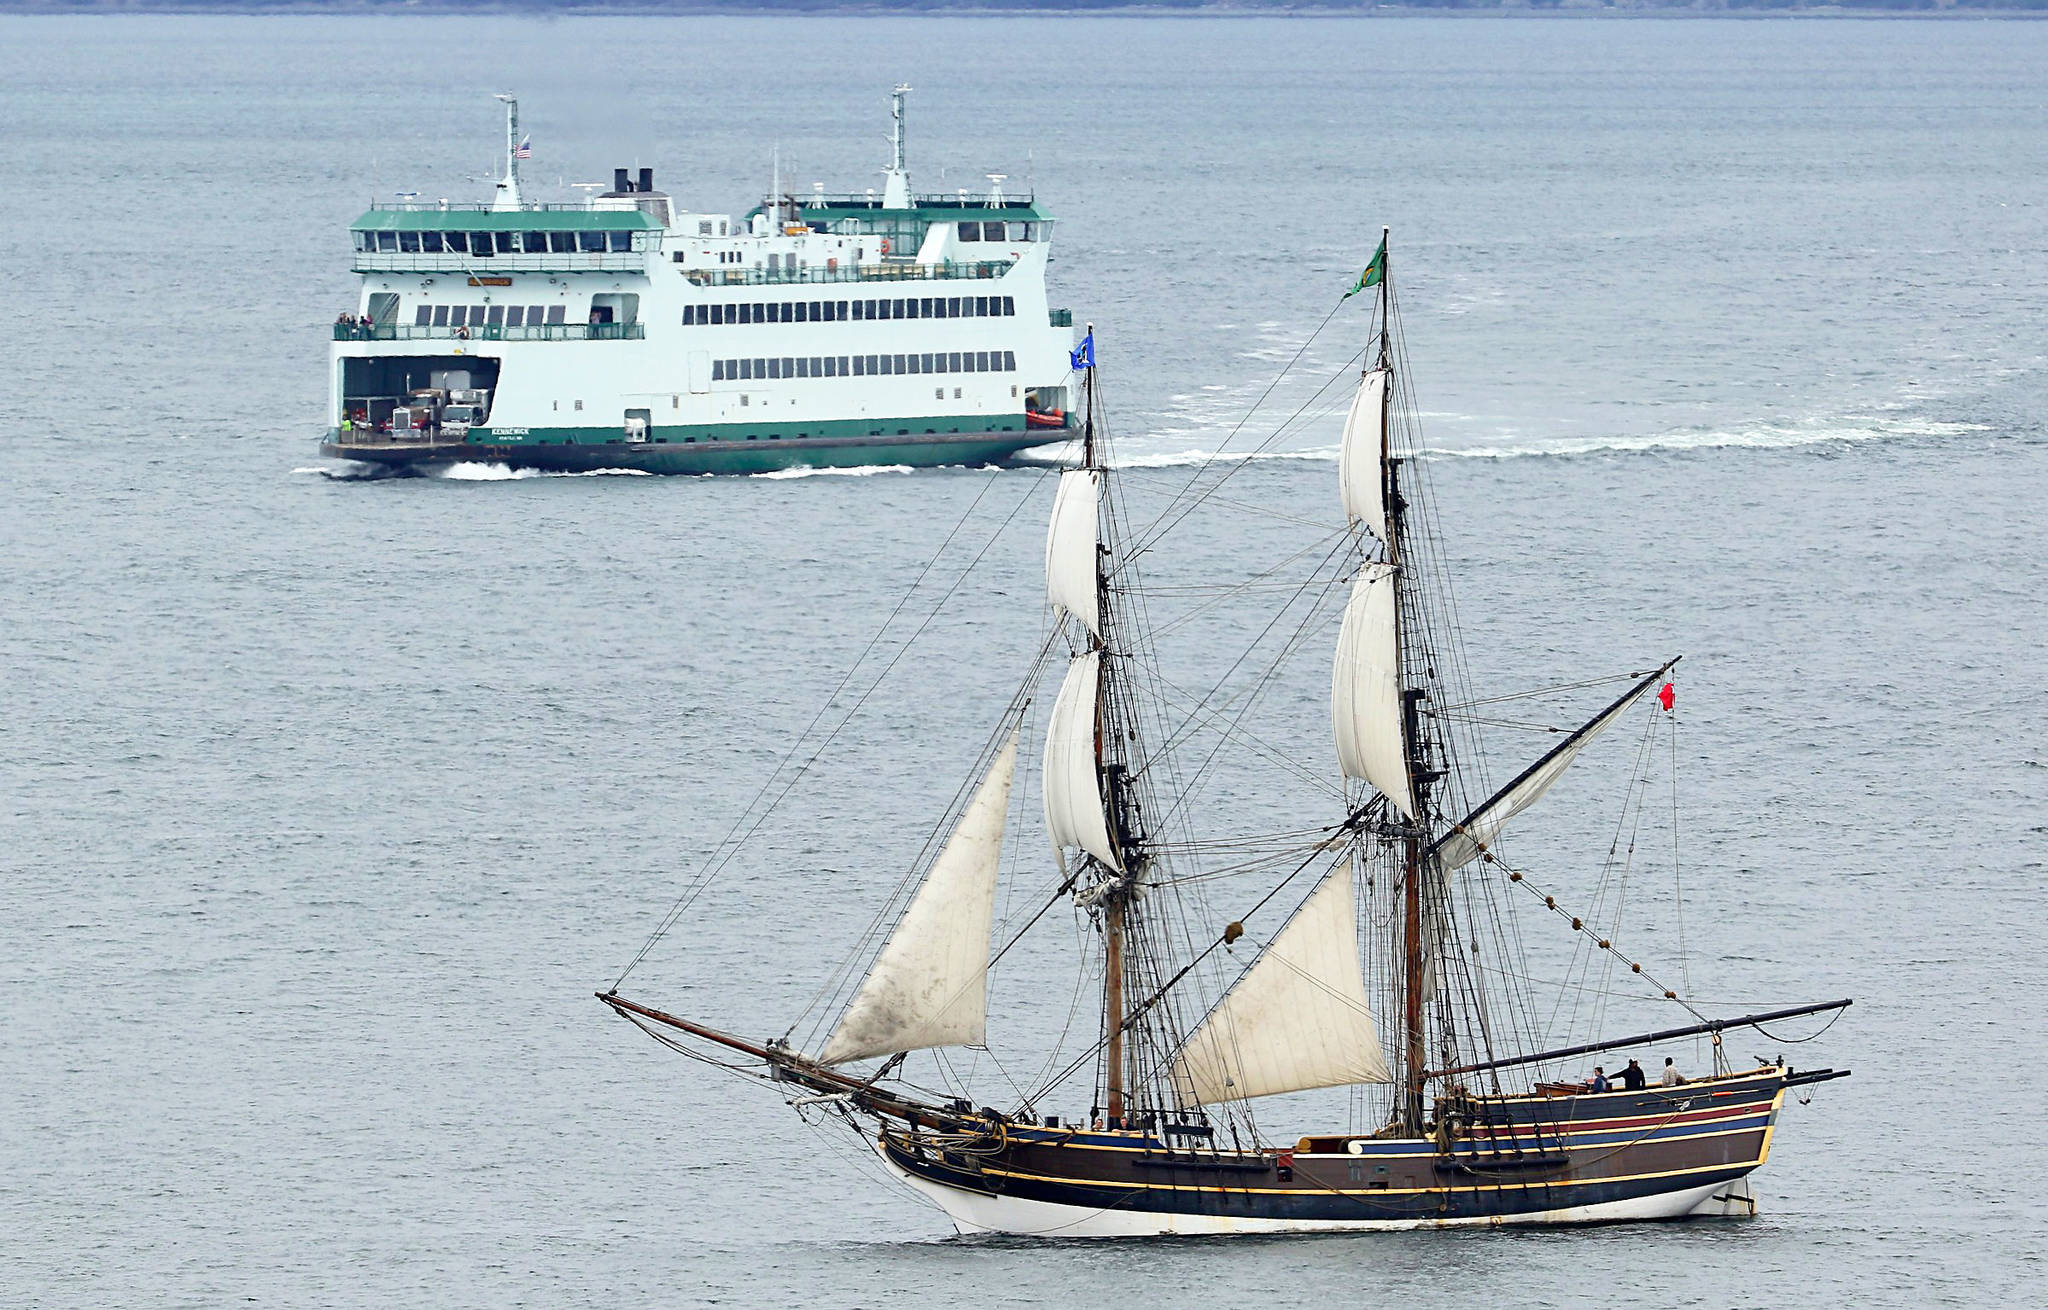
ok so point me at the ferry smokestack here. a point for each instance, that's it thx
(619, 182)
(647, 179)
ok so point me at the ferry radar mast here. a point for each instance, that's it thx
(896, 186)
(508, 187)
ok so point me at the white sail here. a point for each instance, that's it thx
(1073, 781)
(1361, 470)
(929, 986)
(1365, 689)
(1464, 842)
(1070, 548)
(1298, 1018)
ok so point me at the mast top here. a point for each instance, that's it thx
(508, 188)
(896, 181)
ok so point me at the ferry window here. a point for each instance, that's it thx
(841, 312)
(533, 315)
(760, 368)
(579, 404)
(497, 315)
(924, 307)
(424, 317)
(896, 309)
(1030, 232)
(831, 366)
(746, 370)
(860, 310)
(689, 315)
(927, 362)
(803, 367)
(803, 312)
(704, 227)
(956, 393)
(860, 365)
(387, 242)
(430, 242)
(953, 362)
(458, 242)
(590, 242)
(515, 316)
(721, 314)
(1009, 306)
(843, 361)
(998, 232)
(775, 368)
(970, 231)
(953, 307)
(818, 314)
(561, 243)
(981, 361)
(938, 393)
(536, 243)
(556, 313)
(718, 370)
(901, 360)
(508, 243)
(440, 316)
(480, 243)
(872, 361)
(362, 240)
(1009, 360)
(622, 242)
(409, 242)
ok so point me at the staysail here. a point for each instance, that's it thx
(1361, 471)
(1298, 1018)
(1466, 840)
(1070, 581)
(1365, 694)
(929, 986)
(1074, 812)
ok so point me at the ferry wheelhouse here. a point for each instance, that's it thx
(623, 331)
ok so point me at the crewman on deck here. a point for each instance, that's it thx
(1634, 1078)
(1672, 1077)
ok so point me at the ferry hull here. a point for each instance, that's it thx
(1626, 1156)
(922, 451)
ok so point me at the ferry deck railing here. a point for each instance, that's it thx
(887, 271)
(492, 332)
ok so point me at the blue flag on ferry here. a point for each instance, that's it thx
(1083, 355)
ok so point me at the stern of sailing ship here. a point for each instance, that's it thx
(1657, 1153)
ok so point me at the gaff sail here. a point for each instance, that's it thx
(1298, 1018)
(929, 986)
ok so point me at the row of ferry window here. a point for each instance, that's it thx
(488, 315)
(492, 243)
(999, 231)
(836, 311)
(857, 366)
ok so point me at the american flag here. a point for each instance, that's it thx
(525, 150)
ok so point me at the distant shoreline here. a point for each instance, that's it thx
(1241, 9)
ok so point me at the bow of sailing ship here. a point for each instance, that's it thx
(1169, 1144)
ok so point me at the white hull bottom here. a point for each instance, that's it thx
(975, 1212)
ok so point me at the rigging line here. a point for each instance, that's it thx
(1162, 525)
(1796, 1041)
(1011, 719)
(1186, 969)
(1245, 737)
(726, 844)
(1636, 676)
(1231, 436)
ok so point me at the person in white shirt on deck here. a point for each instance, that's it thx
(1672, 1077)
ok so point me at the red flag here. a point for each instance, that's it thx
(1668, 696)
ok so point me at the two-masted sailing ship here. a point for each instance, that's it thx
(1459, 1133)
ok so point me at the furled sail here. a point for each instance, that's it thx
(929, 986)
(1070, 547)
(1361, 471)
(1466, 840)
(1074, 812)
(1298, 1018)
(1365, 696)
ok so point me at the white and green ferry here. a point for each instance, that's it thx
(623, 332)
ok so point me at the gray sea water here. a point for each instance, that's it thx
(326, 804)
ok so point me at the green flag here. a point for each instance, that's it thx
(1374, 274)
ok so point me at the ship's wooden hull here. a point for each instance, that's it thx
(1660, 1153)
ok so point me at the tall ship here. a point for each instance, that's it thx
(1386, 950)
(623, 331)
